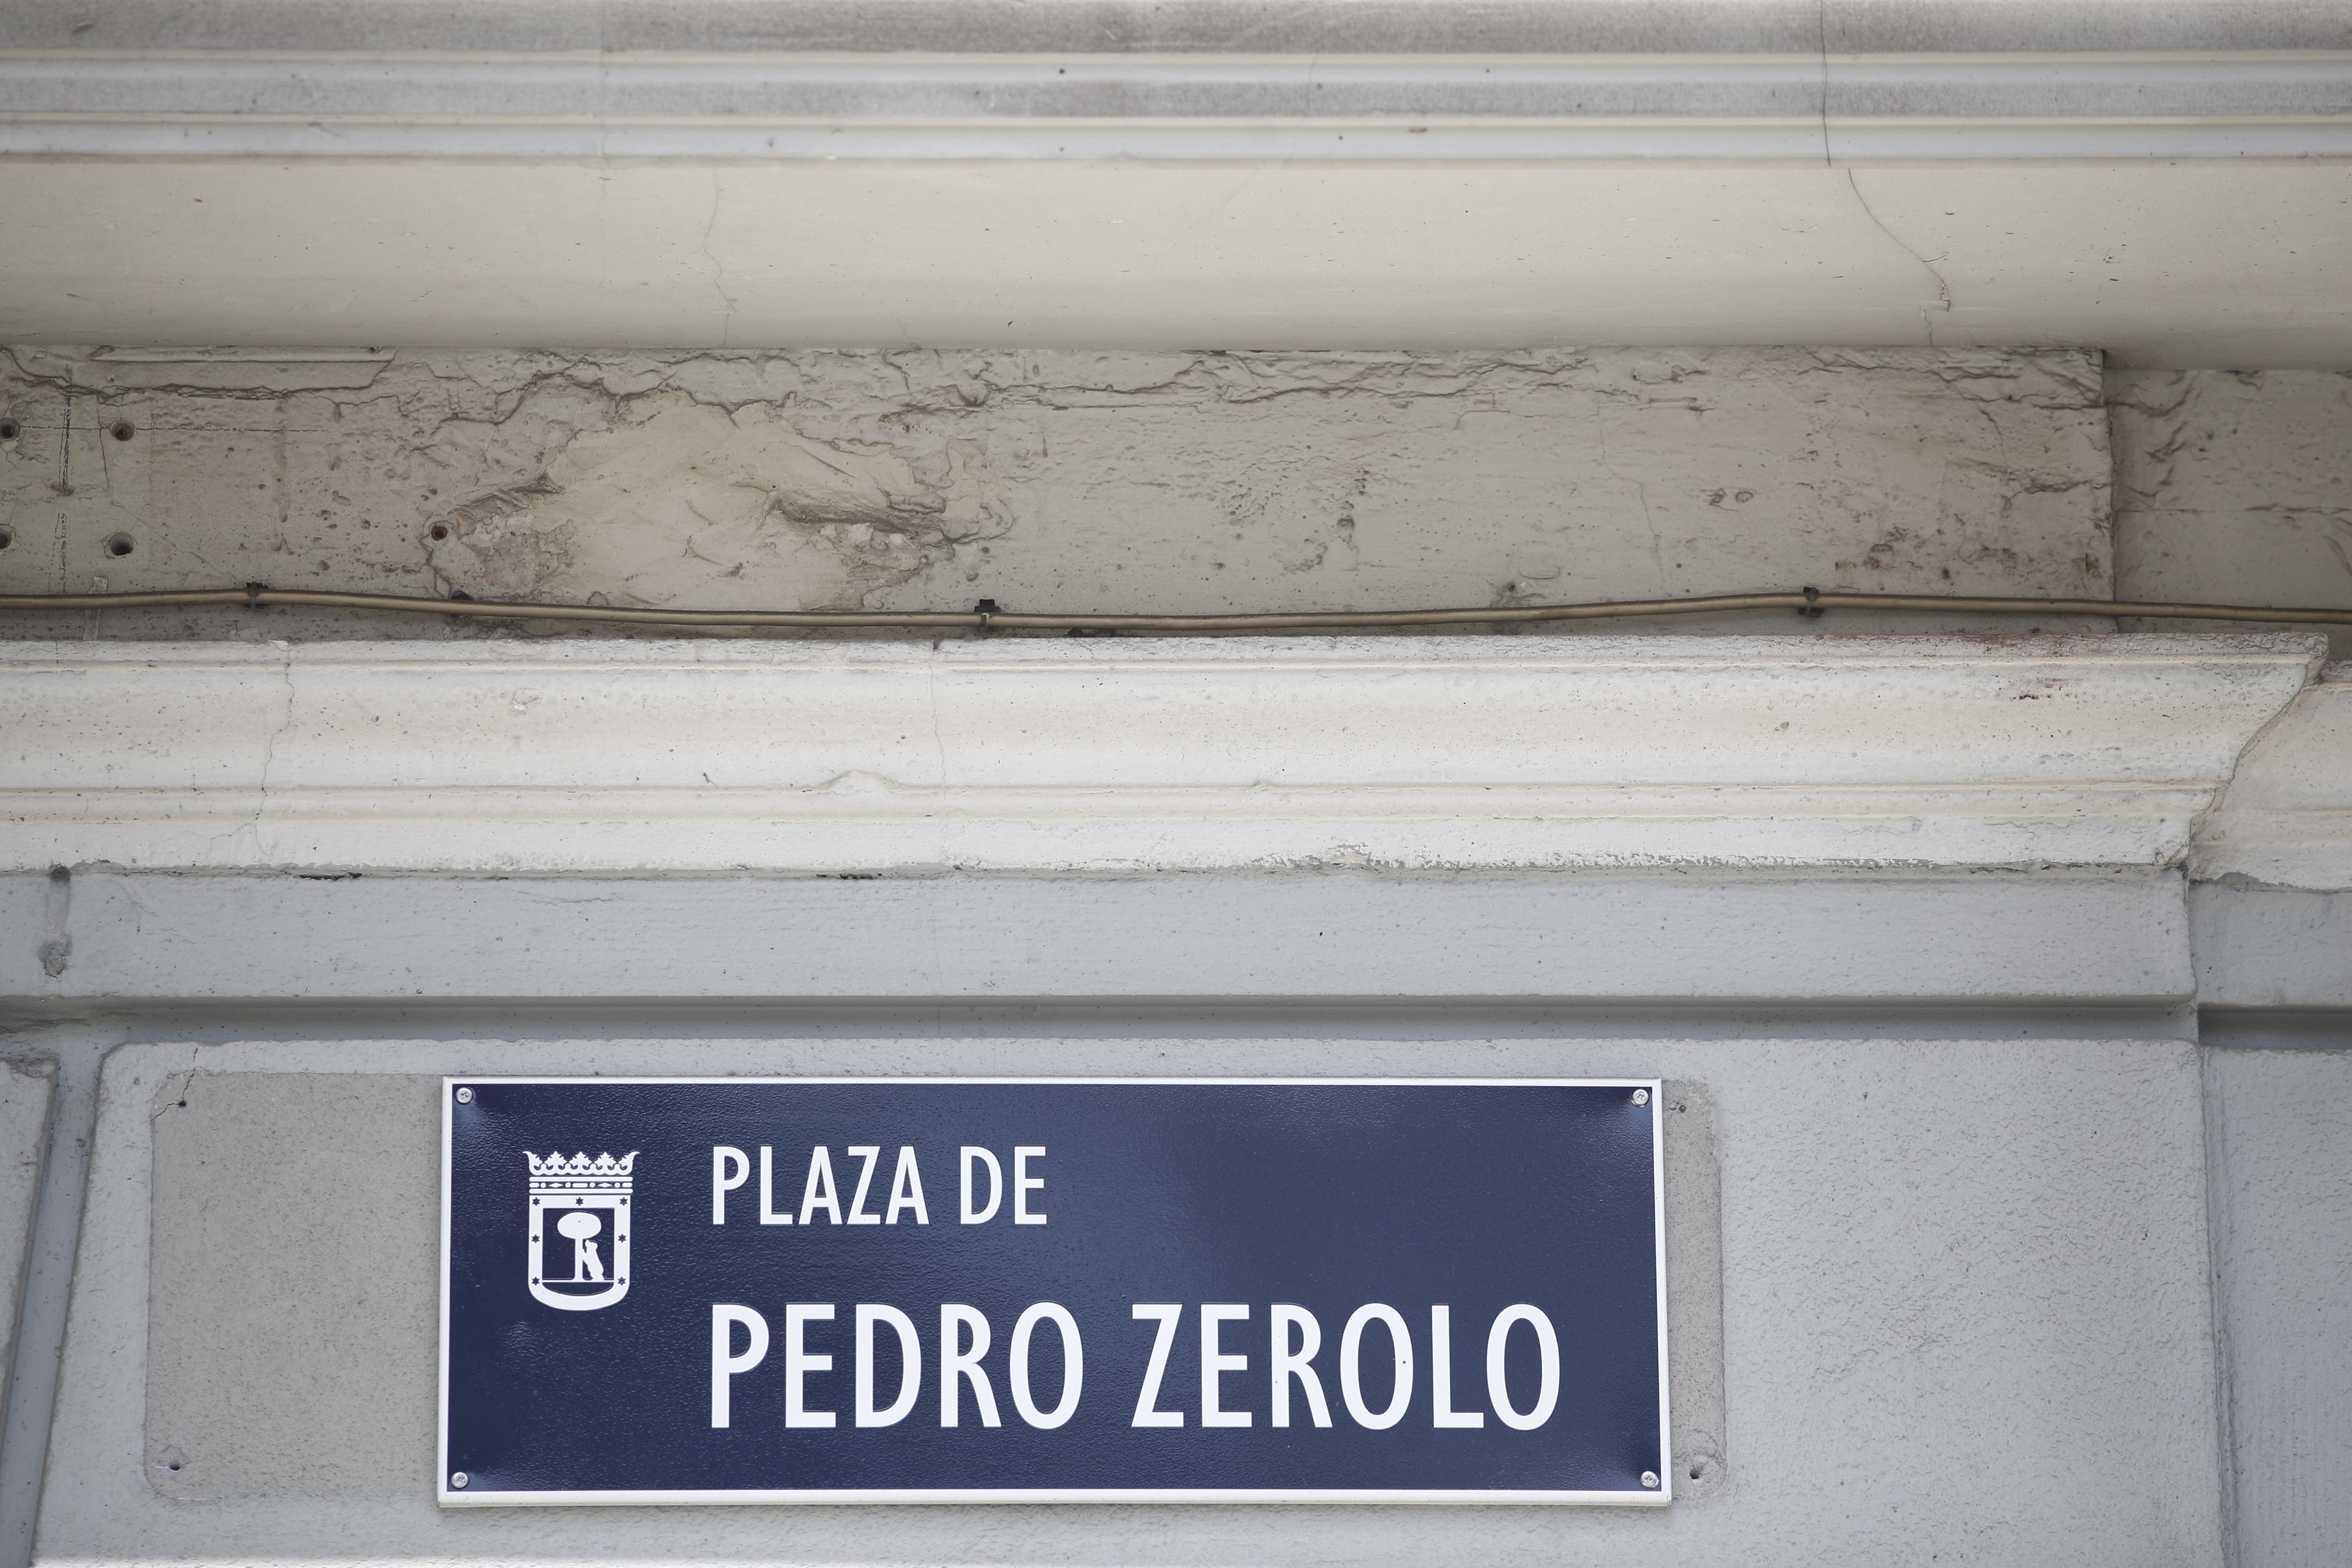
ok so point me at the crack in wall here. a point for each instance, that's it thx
(1943, 288)
(1821, 30)
(718, 269)
(269, 739)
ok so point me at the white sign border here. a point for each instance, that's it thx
(448, 1497)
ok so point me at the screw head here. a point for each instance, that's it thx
(464, 1096)
(1649, 1479)
(459, 1481)
(1641, 1097)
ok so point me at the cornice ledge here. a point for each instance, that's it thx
(2285, 818)
(1486, 104)
(1719, 755)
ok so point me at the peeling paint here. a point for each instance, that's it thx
(683, 503)
(1171, 482)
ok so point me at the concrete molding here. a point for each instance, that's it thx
(1779, 107)
(1214, 26)
(2271, 947)
(1048, 756)
(2286, 820)
(1595, 942)
(2150, 259)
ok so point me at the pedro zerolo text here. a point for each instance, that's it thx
(1257, 1360)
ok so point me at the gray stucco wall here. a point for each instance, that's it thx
(2281, 1129)
(1965, 1315)
(24, 1093)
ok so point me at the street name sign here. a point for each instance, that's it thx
(770, 1290)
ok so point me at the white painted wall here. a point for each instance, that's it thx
(2164, 180)
(2190, 263)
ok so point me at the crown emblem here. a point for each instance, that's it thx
(580, 1164)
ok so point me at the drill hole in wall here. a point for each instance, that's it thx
(10, 429)
(438, 532)
(123, 430)
(119, 545)
(8, 538)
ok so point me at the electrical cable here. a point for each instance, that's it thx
(987, 617)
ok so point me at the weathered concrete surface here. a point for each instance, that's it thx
(1141, 482)
(1932, 1346)
(2234, 488)
(1178, 482)
(2281, 1123)
(24, 1091)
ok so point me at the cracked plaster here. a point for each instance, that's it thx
(2234, 488)
(1173, 482)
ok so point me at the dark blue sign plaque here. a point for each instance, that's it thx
(1091, 1291)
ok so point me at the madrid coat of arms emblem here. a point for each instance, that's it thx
(580, 1229)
